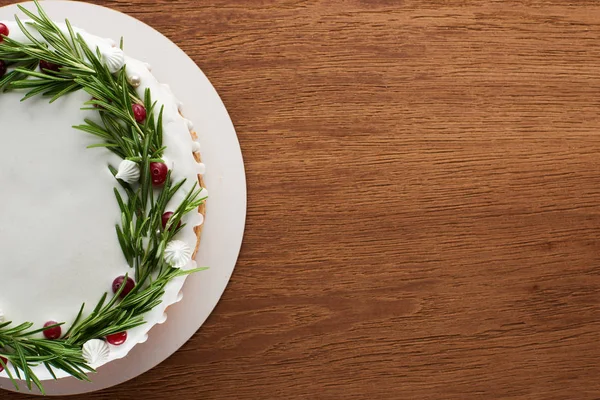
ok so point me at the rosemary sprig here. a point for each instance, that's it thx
(142, 241)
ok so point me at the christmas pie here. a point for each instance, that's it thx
(102, 200)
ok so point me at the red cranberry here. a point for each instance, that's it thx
(165, 219)
(48, 66)
(117, 339)
(3, 31)
(52, 333)
(139, 112)
(2, 68)
(4, 360)
(118, 282)
(158, 171)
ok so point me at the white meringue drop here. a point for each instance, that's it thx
(190, 124)
(201, 168)
(95, 352)
(178, 254)
(129, 171)
(114, 59)
(203, 193)
(134, 80)
(195, 147)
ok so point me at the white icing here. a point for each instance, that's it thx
(148, 66)
(169, 163)
(114, 58)
(178, 254)
(96, 352)
(194, 220)
(129, 171)
(70, 212)
(190, 124)
(201, 169)
(195, 147)
(59, 220)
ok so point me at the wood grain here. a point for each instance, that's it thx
(424, 200)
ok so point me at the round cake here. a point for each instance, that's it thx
(102, 205)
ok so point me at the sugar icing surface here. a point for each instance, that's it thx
(57, 212)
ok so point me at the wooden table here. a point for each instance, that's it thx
(423, 200)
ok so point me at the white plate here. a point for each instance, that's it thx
(225, 180)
